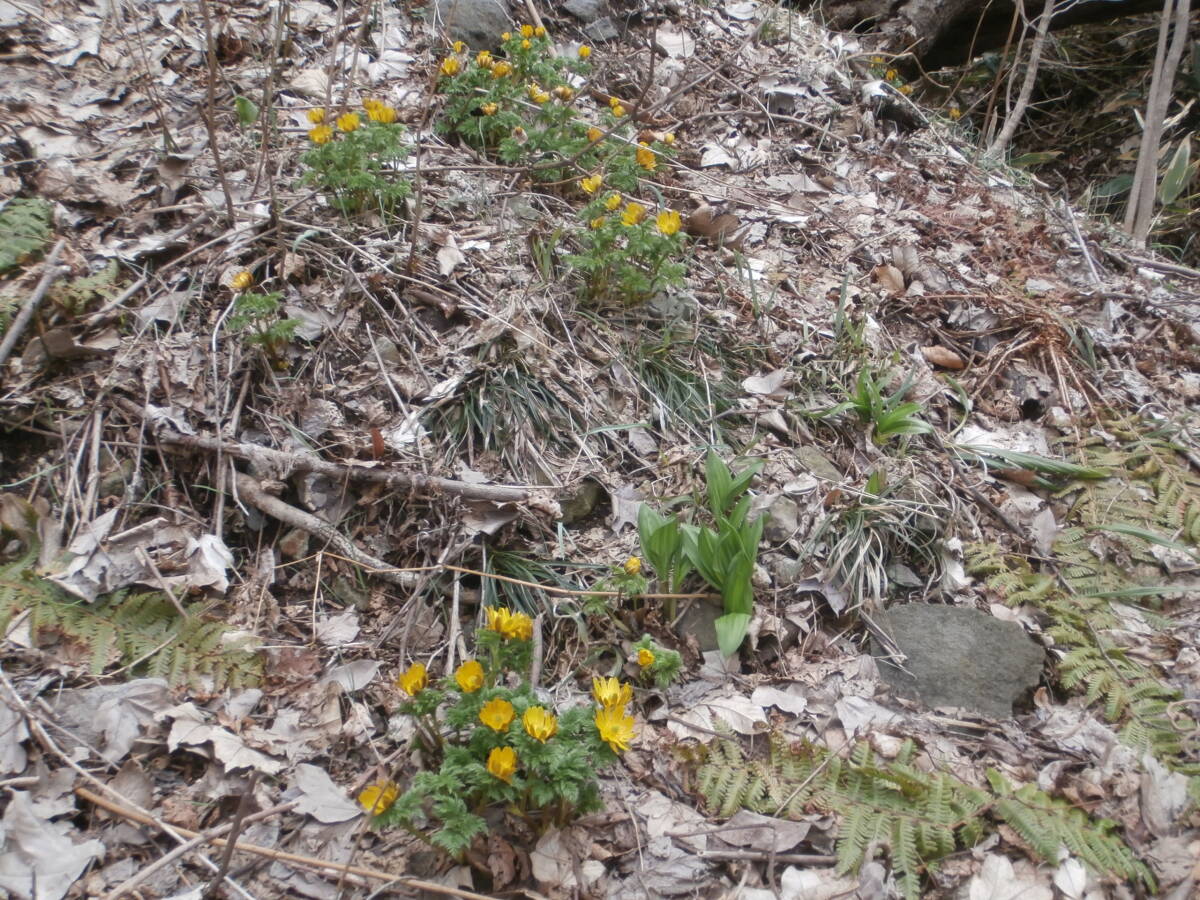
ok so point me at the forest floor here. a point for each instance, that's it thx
(348, 333)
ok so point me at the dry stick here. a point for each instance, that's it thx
(283, 855)
(239, 821)
(162, 862)
(1139, 212)
(210, 122)
(284, 463)
(268, 95)
(1013, 119)
(21, 322)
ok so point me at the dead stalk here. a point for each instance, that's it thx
(209, 112)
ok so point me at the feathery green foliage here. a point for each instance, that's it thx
(74, 295)
(920, 817)
(142, 629)
(24, 229)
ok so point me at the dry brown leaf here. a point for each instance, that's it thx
(890, 277)
(944, 357)
(717, 227)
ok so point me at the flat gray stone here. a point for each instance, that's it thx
(586, 10)
(602, 29)
(783, 520)
(479, 23)
(958, 657)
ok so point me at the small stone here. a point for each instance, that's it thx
(586, 11)
(602, 29)
(783, 520)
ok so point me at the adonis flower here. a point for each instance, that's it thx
(615, 727)
(489, 109)
(645, 657)
(241, 281)
(469, 676)
(414, 680)
(955, 113)
(500, 69)
(450, 66)
(497, 714)
(594, 134)
(634, 213)
(609, 692)
(322, 134)
(618, 110)
(612, 201)
(348, 121)
(502, 762)
(646, 158)
(316, 116)
(382, 113)
(526, 31)
(539, 724)
(633, 566)
(506, 36)
(485, 59)
(585, 51)
(563, 92)
(591, 183)
(668, 222)
(377, 798)
(458, 46)
(526, 44)
(509, 624)
(539, 31)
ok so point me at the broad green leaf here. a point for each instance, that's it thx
(731, 631)
(719, 483)
(247, 111)
(1178, 174)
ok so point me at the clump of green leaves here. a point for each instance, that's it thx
(493, 745)
(888, 415)
(256, 318)
(356, 164)
(723, 553)
(626, 253)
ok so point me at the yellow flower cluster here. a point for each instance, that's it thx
(508, 624)
(498, 714)
(469, 676)
(241, 280)
(645, 657)
(377, 111)
(645, 157)
(322, 134)
(502, 68)
(591, 183)
(348, 122)
(536, 94)
(613, 723)
(450, 66)
(633, 214)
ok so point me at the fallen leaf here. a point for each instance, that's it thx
(891, 278)
(944, 357)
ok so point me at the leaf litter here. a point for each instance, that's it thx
(444, 396)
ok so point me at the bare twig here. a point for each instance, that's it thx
(239, 822)
(21, 322)
(1017, 113)
(210, 122)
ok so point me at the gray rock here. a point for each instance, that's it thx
(783, 520)
(479, 23)
(958, 657)
(586, 10)
(817, 463)
(602, 29)
(700, 620)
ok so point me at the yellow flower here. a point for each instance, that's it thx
(316, 116)
(497, 714)
(613, 102)
(469, 676)
(633, 565)
(596, 223)
(669, 138)
(525, 45)
(877, 60)
(562, 92)
(591, 183)
(377, 798)
(484, 58)
(489, 109)
(618, 110)
(382, 113)
(520, 627)
(889, 74)
(615, 727)
(539, 31)
(348, 121)
(458, 46)
(526, 31)
(506, 36)
(955, 113)
(594, 134)
(610, 692)
(541, 97)
(645, 158)
(612, 202)
(450, 65)
(500, 69)
(241, 281)
(502, 762)
(634, 213)
(518, 134)
(414, 680)
(645, 657)
(585, 51)
(370, 103)
(906, 89)
(668, 222)
(322, 134)
(539, 724)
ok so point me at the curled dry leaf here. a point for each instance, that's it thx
(705, 222)
(890, 277)
(944, 357)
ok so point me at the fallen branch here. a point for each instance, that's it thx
(250, 490)
(283, 463)
(21, 322)
(283, 856)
